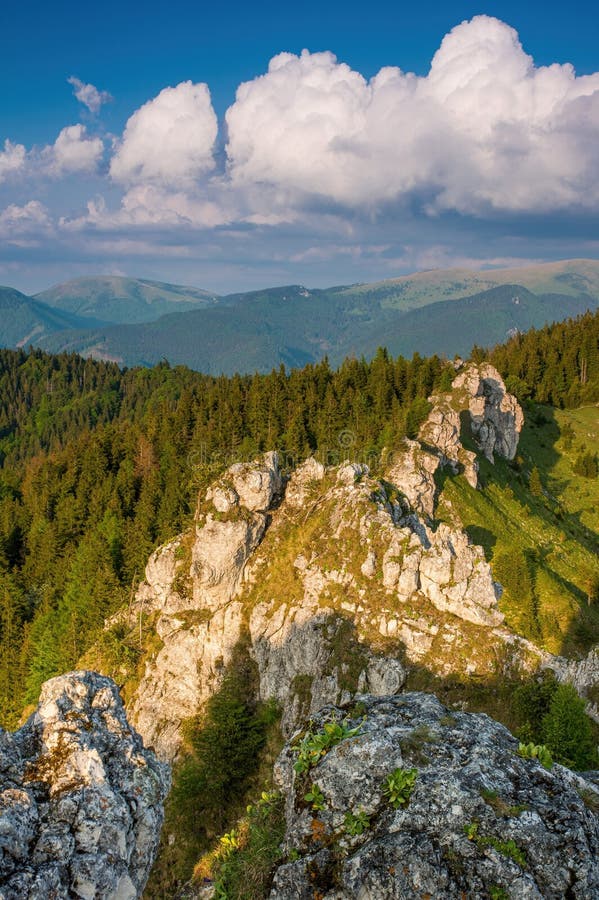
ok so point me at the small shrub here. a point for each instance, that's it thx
(398, 786)
(536, 751)
(315, 797)
(356, 823)
(498, 893)
(315, 745)
(507, 848)
(567, 730)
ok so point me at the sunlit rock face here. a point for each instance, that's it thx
(81, 802)
(335, 578)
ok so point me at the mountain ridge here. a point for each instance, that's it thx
(141, 322)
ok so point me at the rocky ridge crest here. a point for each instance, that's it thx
(339, 579)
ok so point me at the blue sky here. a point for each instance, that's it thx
(318, 174)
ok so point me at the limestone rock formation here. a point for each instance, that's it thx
(478, 820)
(496, 417)
(337, 578)
(190, 592)
(81, 802)
(335, 581)
(478, 404)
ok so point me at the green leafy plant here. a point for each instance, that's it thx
(229, 842)
(507, 848)
(497, 893)
(398, 786)
(315, 797)
(536, 751)
(356, 823)
(315, 745)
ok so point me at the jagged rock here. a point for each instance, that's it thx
(231, 520)
(257, 483)
(496, 417)
(413, 471)
(480, 821)
(81, 805)
(299, 668)
(307, 474)
(196, 586)
(493, 417)
(409, 575)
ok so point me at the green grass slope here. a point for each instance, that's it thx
(543, 544)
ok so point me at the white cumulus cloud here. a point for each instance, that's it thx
(19, 220)
(73, 152)
(89, 95)
(484, 129)
(169, 140)
(12, 158)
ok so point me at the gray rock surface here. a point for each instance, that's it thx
(478, 403)
(480, 822)
(496, 417)
(81, 802)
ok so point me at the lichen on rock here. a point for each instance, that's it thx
(81, 803)
(475, 819)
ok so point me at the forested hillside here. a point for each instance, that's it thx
(99, 465)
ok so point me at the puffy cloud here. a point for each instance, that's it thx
(73, 152)
(485, 128)
(169, 140)
(88, 94)
(19, 220)
(12, 158)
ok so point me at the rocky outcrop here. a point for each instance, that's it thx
(477, 407)
(496, 417)
(81, 803)
(189, 592)
(335, 580)
(325, 561)
(583, 674)
(473, 818)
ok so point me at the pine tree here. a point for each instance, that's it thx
(567, 730)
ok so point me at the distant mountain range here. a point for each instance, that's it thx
(110, 298)
(140, 322)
